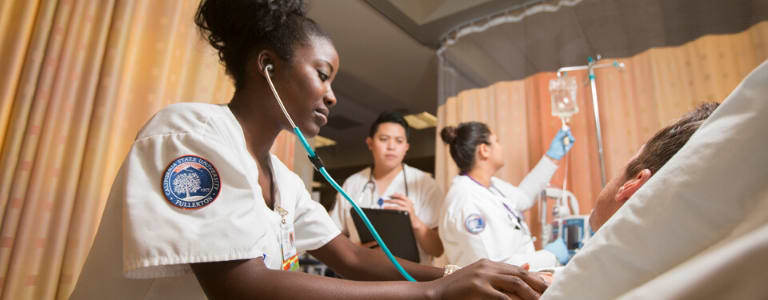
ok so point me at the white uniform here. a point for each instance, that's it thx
(479, 222)
(422, 190)
(188, 192)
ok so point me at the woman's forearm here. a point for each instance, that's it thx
(239, 280)
(428, 239)
(359, 263)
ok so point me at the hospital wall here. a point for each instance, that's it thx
(656, 87)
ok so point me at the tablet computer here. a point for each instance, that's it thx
(394, 227)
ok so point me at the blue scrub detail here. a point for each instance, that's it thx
(474, 224)
(191, 182)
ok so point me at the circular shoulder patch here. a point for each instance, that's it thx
(191, 182)
(474, 224)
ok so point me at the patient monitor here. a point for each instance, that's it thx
(566, 223)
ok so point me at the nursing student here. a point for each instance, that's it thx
(391, 184)
(482, 215)
(201, 209)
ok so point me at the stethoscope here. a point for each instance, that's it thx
(511, 212)
(318, 163)
(372, 185)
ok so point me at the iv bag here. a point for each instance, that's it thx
(562, 91)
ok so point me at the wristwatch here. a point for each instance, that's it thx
(450, 269)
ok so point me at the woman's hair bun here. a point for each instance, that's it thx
(236, 27)
(227, 21)
(448, 134)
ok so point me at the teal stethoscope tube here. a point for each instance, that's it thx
(313, 157)
(321, 168)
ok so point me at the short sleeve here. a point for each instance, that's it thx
(314, 228)
(463, 236)
(472, 233)
(160, 236)
(339, 210)
(431, 201)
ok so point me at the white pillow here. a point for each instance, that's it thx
(699, 198)
(733, 271)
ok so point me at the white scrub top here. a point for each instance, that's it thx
(480, 222)
(187, 193)
(422, 190)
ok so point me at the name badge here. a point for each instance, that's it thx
(288, 244)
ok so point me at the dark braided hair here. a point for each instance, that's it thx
(239, 28)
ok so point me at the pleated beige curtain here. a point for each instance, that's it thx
(78, 78)
(657, 87)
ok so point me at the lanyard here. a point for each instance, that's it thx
(487, 187)
(511, 211)
(519, 219)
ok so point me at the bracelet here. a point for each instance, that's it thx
(450, 269)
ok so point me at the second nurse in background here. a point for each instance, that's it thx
(482, 215)
(391, 184)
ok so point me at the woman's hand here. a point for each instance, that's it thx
(485, 279)
(428, 238)
(559, 147)
(401, 202)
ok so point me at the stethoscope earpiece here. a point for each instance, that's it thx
(320, 168)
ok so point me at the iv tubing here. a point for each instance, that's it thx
(590, 67)
(320, 168)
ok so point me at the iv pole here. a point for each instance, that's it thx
(590, 67)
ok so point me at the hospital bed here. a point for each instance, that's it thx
(699, 228)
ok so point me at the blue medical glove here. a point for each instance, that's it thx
(560, 250)
(558, 149)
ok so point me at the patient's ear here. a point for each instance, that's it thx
(632, 185)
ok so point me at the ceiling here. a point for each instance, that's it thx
(388, 63)
(388, 57)
(566, 32)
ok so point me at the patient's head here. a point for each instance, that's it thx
(646, 162)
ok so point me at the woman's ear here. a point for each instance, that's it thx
(483, 151)
(264, 59)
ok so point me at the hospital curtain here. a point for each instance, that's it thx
(78, 78)
(656, 87)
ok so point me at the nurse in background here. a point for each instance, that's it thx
(482, 215)
(201, 210)
(391, 184)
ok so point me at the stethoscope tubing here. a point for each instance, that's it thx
(320, 168)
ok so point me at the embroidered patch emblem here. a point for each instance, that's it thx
(474, 224)
(191, 182)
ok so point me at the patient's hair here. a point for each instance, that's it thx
(463, 141)
(665, 143)
(390, 117)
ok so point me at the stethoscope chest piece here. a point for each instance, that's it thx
(370, 184)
